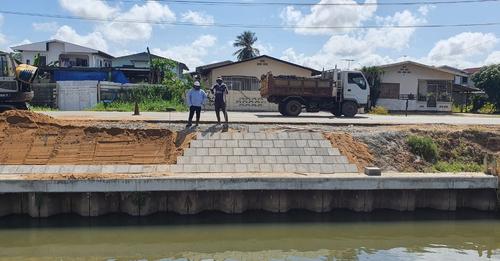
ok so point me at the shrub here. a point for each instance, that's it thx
(457, 166)
(423, 147)
(379, 110)
(487, 108)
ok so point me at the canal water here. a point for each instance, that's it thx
(298, 236)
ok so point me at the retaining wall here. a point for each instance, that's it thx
(193, 202)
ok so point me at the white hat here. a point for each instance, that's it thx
(197, 83)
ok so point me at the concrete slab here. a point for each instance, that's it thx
(258, 181)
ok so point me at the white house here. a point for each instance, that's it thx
(431, 86)
(64, 53)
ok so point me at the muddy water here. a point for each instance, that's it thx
(255, 236)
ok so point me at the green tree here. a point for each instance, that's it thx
(36, 62)
(488, 80)
(245, 42)
(163, 71)
(373, 75)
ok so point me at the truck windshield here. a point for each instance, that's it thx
(358, 79)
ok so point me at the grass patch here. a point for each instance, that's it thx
(423, 147)
(153, 106)
(379, 110)
(457, 166)
(42, 108)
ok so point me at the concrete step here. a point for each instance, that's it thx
(264, 168)
(262, 152)
(279, 159)
(260, 136)
(260, 143)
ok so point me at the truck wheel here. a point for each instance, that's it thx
(293, 108)
(349, 109)
(337, 111)
(281, 108)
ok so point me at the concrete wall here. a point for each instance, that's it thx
(76, 95)
(408, 83)
(243, 101)
(233, 202)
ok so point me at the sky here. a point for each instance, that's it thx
(297, 38)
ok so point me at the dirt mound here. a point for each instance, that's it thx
(26, 117)
(31, 138)
(357, 152)
(391, 152)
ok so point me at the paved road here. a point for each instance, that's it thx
(273, 117)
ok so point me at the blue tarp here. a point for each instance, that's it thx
(63, 75)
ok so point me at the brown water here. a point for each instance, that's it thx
(255, 236)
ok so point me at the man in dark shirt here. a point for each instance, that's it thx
(220, 91)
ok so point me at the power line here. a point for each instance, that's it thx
(308, 4)
(254, 26)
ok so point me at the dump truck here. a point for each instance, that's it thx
(335, 91)
(15, 83)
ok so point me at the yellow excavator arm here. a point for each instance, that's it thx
(26, 73)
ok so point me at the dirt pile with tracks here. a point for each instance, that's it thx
(32, 138)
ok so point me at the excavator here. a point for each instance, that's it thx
(15, 83)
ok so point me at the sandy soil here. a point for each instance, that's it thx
(32, 138)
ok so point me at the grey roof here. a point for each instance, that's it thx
(182, 65)
(229, 63)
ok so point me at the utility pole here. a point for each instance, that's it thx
(348, 62)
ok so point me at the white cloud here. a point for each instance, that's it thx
(89, 8)
(93, 40)
(191, 54)
(361, 45)
(264, 48)
(459, 49)
(332, 15)
(198, 18)
(425, 9)
(45, 27)
(25, 41)
(120, 32)
(493, 58)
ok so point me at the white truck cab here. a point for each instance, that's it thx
(355, 87)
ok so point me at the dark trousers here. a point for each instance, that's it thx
(220, 106)
(192, 110)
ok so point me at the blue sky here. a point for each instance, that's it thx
(318, 48)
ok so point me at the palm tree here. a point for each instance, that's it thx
(245, 41)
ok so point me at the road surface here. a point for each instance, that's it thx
(274, 117)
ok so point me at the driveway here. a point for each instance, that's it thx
(276, 118)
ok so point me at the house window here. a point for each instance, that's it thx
(440, 89)
(43, 60)
(389, 91)
(242, 83)
(82, 62)
(465, 80)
